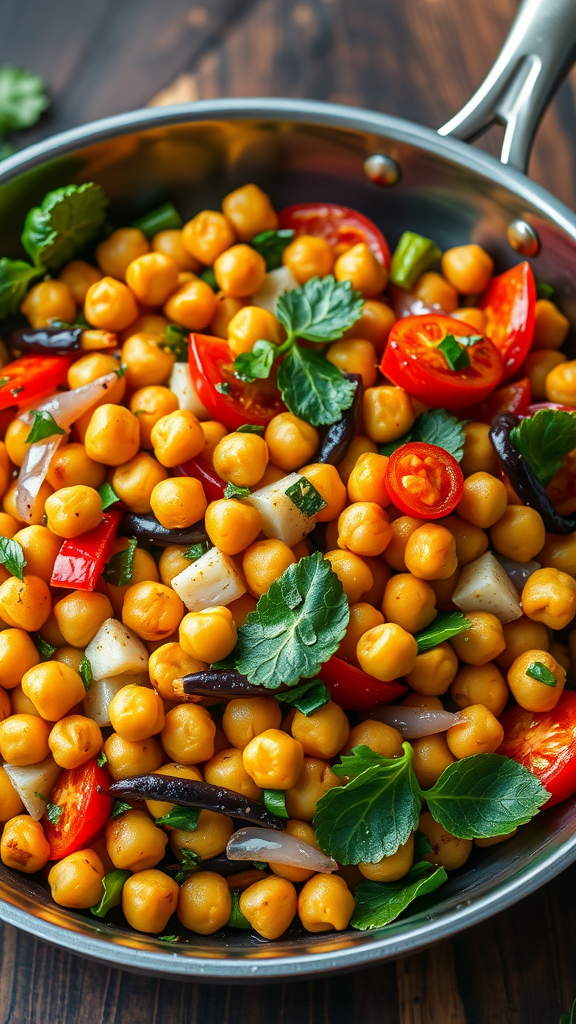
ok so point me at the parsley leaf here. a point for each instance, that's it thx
(271, 245)
(118, 571)
(295, 627)
(190, 861)
(113, 884)
(185, 818)
(304, 495)
(232, 491)
(374, 813)
(541, 673)
(66, 219)
(544, 439)
(85, 672)
(22, 99)
(275, 802)
(434, 427)
(484, 795)
(307, 698)
(108, 495)
(379, 903)
(250, 428)
(444, 626)
(16, 276)
(313, 388)
(321, 310)
(257, 364)
(12, 556)
(175, 339)
(43, 425)
(120, 807)
(196, 551)
(45, 650)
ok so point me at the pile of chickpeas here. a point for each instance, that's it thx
(397, 572)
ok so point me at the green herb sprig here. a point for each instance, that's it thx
(43, 425)
(544, 440)
(12, 556)
(434, 427)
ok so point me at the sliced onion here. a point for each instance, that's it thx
(485, 586)
(406, 304)
(277, 848)
(412, 723)
(33, 474)
(65, 407)
(518, 572)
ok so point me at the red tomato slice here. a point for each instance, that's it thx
(423, 480)
(211, 364)
(339, 225)
(509, 398)
(85, 808)
(412, 360)
(354, 690)
(508, 303)
(31, 377)
(545, 743)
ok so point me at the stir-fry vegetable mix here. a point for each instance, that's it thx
(286, 545)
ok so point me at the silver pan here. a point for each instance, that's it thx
(403, 176)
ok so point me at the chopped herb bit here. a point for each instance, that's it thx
(271, 245)
(45, 650)
(260, 865)
(4, 380)
(312, 388)
(53, 811)
(118, 571)
(102, 759)
(414, 254)
(444, 626)
(175, 339)
(541, 673)
(107, 495)
(120, 807)
(196, 550)
(12, 556)
(321, 310)
(434, 427)
(16, 276)
(43, 426)
(121, 371)
(422, 845)
(544, 291)
(379, 903)
(163, 218)
(307, 698)
(455, 355)
(169, 938)
(190, 861)
(209, 277)
(232, 491)
(85, 672)
(237, 919)
(22, 99)
(544, 440)
(275, 802)
(307, 499)
(223, 388)
(113, 884)
(65, 221)
(250, 428)
(257, 364)
(185, 818)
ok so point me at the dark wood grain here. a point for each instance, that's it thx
(419, 59)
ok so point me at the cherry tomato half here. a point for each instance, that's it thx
(211, 366)
(80, 792)
(354, 690)
(339, 225)
(31, 377)
(545, 743)
(412, 360)
(509, 398)
(423, 480)
(508, 303)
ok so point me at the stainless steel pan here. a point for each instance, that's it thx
(403, 176)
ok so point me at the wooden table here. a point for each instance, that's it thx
(419, 59)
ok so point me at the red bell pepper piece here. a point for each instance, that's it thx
(213, 484)
(30, 378)
(80, 561)
(354, 690)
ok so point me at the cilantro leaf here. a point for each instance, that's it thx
(295, 627)
(444, 626)
(119, 569)
(108, 495)
(271, 245)
(304, 495)
(313, 388)
(257, 364)
(484, 795)
(379, 903)
(541, 673)
(22, 99)
(307, 698)
(43, 425)
(16, 276)
(185, 818)
(85, 672)
(275, 802)
(66, 219)
(391, 446)
(120, 807)
(444, 430)
(189, 863)
(544, 439)
(12, 556)
(321, 310)
(45, 650)
(113, 884)
(232, 491)
(196, 551)
(358, 761)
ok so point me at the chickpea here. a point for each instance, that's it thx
(270, 906)
(519, 533)
(359, 446)
(273, 759)
(25, 604)
(54, 688)
(147, 362)
(143, 571)
(149, 323)
(433, 289)
(10, 802)
(74, 740)
(374, 324)
(559, 552)
(325, 904)
(71, 466)
(561, 383)
(315, 779)
(177, 438)
(364, 529)
(127, 758)
(263, 562)
(433, 670)
(40, 548)
(152, 277)
(178, 502)
(47, 301)
(88, 369)
(227, 769)
(362, 618)
(468, 268)
(113, 435)
(73, 510)
(308, 256)
(482, 642)
(402, 529)
(8, 525)
(409, 602)
(172, 562)
(240, 271)
(213, 433)
(353, 573)
(387, 652)
(152, 610)
(241, 609)
(188, 734)
(193, 305)
(78, 276)
(209, 635)
(136, 713)
(21, 704)
(430, 553)
(241, 458)
(549, 596)
(116, 252)
(110, 305)
(479, 455)
(170, 662)
(36, 514)
(365, 273)
(24, 739)
(134, 842)
(387, 412)
(393, 867)
(323, 733)
(204, 902)
(355, 355)
(304, 831)
(444, 590)
(475, 318)
(447, 850)
(226, 308)
(366, 481)
(149, 898)
(530, 693)
(537, 366)
(550, 326)
(5, 705)
(521, 635)
(494, 840)
(381, 738)
(150, 404)
(135, 481)
(15, 441)
(70, 656)
(24, 846)
(479, 733)
(207, 235)
(480, 684)
(250, 212)
(170, 242)
(471, 541)
(76, 880)
(231, 525)
(483, 501)
(247, 717)
(291, 441)
(431, 757)
(208, 839)
(80, 614)
(249, 325)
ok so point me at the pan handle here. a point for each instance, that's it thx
(538, 53)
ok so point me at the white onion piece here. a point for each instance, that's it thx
(406, 304)
(182, 386)
(272, 847)
(33, 474)
(65, 407)
(211, 580)
(281, 518)
(116, 651)
(34, 783)
(412, 723)
(518, 572)
(275, 284)
(485, 586)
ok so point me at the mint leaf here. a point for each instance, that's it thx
(275, 802)
(413, 255)
(307, 698)
(197, 550)
(43, 426)
(64, 222)
(304, 495)
(321, 310)
(16, 276)
(257, 364)
(237, 919)
(484, 795)
(113, 885)
(175, 339)
(250, 428)
(544, 439)
(118, 571)
(541, 673)
(12, 556)
(22, 99)
(85, 672)
(102, 759)
(185, 818)
(120, 807)
(107, 495)
(313, 388)
(271, 245)
(374, 813)
(379, 903)
(444, 626)
(189, 863)
(45, 650)
(232, 491)
(442, 429)
(295, 627)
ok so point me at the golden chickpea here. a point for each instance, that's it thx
(73, 510)
(363, 616)
(152, 610)
(231, 525)
(25, 604)
(444, 590)
(323, 733)
(152, 277)
(113, 435)
(172, 562)
(247, 717)
(209, 635)
(10, 802)
(147, 362)
(494, 840)
(177, 438)
(21, 704)
(402, 529)
(40, 548)
(207, 235)
(471, 541)
(74, 740)
(263, 562)
(24, 739)
(360, 445)
(134, 842)
(209, 838)
(468, 268)
(366, 481)
(431, 757)
(537, 366)
(365, 273)
(249, 325)
(387, 652)
(519, 533)
(149, 898)
(433, 670)
(364, 529)
(374, 324)
(387, 412)
(273, 759)
(54, 688)
(270, 906)
(8, 525)
(291, 441)
(204, 902)
(409, 602)
(483, 501)
(127, 758)
(149, 323)
(381, 738)
(479, 455)
(308, 256)
(135, 481)
(149, 404)
(110, 305)
(88, 369)
(178, 502)
(226, 308)
(36, 514)
(143, 571)
(5, 705)
(433, 289)
(550, 326)
(136, 713)
(70, 656)
(188, 734)
(393, 867)
(315, 779)
(325, 904)
(353, 573)
(167, 663)
(559, 552)
(116, 252)
(480, 684)
(241, 458)
(561, 383)
(480, 732)
(304, 831)
(475, 318)
(213, 433)
(170, 242)
(482, 642)
(47, 301)
(15, 441)
(447, 850)
(241, 609)
(549, 596)
(521, 635)
(79, 275)
(430, 552)
(71, 466)
(250, 212)
(531, 693)
(24, 846)
(227, 769)
(158, 808)
(76, 880)
(240, 271)
(80, 614)
(193, 305)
